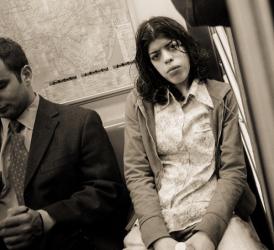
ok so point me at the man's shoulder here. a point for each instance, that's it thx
(73, 112)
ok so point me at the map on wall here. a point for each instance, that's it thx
(77, 49)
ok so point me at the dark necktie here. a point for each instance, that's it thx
(18, 160)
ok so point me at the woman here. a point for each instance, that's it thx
(184, 162)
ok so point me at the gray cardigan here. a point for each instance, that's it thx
(142, 166)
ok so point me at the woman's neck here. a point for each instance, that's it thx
(183, 87)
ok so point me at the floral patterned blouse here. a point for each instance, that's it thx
(185, 145)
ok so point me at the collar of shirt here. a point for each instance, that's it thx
(27, 118)
(198, 90)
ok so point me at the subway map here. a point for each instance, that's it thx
(77, 49)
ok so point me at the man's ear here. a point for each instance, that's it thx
(26, 74)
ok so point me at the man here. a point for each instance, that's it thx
(71, 195)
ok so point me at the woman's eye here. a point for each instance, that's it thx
(173, 45)
(154, 57)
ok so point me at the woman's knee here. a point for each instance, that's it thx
(240, 235)
(133, 240)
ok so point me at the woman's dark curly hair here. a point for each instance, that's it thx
(150, 84)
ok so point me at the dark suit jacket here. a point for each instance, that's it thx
(72, 173)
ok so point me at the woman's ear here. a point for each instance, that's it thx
(26, 74)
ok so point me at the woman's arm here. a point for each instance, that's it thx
(231, 175)
(140, 179)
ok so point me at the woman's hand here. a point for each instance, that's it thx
(166, 243)
(200, 241)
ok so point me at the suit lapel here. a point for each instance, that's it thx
(44, 127)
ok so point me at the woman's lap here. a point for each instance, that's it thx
(239, 235)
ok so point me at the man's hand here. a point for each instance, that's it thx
(21, 226)
(200, 241)
(164, 244)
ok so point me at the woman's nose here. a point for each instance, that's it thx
(167, 57)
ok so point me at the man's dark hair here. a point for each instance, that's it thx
(150, 84)
(13, 56)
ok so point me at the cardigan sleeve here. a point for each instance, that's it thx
(140, 179)
(231, 175)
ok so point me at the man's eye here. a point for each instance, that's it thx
(3, 83)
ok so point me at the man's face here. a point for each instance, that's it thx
(14, 95)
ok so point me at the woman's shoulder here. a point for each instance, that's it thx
(133, 93)
(217, 89)
(132, 101)
(133, 96)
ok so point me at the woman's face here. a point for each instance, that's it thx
(170, 59)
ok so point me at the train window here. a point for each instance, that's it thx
(225, 46)
(254, 59)
(245, 55)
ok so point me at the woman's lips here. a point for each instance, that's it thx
(173, 69)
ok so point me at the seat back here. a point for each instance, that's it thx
(116, 136)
